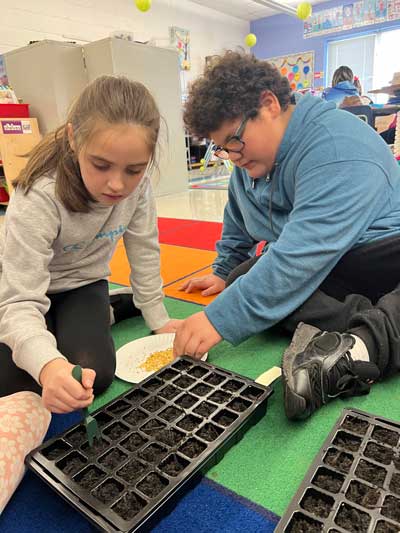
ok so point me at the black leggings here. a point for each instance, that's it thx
(360, 295)
(80, 321)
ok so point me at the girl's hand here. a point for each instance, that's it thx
(208, 285)
(170, 327)
(61, 392)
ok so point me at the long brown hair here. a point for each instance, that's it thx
(342, 73)
(109, 100)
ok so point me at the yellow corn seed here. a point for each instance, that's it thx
(157, 360)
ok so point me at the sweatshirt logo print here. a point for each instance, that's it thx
(112, 235)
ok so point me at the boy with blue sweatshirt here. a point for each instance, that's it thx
(323, 189)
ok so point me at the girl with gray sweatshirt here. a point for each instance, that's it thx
(84, 186)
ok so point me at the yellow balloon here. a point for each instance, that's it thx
(250, 40)
(304, 10)
(143, 5)
(202, 168)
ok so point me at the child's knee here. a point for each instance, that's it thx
(101, 359)
(23, 425)
(104, 378)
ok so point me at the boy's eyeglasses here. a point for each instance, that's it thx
(234, 144)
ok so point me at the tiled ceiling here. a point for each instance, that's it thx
(246, 9)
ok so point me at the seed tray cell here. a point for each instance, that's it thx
(136, 396)
(113, 458)
(169, 392)
(102, 420)
(353, 485)
(153, 384)
(156, 441)
(72, 463)
(116, 408)
(135, 417)
(190, 422)
(205, 409)
(116, 431)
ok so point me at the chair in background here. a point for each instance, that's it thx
(364, 112)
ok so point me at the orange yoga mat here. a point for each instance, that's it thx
(194, 297)
(177, 262)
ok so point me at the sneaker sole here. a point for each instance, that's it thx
(295, 405)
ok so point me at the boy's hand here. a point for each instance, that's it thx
(195, 336)
(61, 392)
(208, 285)
(170, 327)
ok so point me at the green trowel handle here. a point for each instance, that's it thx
(77, 374)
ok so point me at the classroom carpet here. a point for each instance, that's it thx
(199, 234)
(177, 262)
(254, 482)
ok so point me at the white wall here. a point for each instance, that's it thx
(88, 20)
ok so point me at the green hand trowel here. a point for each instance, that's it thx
(92, 429)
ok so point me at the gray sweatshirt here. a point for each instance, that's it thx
(47, 249)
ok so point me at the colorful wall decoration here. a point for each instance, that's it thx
(351, 15)
(298, 68)
(180, 39)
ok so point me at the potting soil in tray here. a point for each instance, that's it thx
(156, 440)
(354, 483)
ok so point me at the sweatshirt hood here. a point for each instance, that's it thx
(346, 86)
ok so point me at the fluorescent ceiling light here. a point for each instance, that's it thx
(274, 4)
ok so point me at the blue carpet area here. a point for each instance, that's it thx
(208, 507)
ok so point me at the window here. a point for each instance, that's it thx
(371, 57)
(386, 61)
(358, 54)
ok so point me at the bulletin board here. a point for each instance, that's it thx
(351, 15)
(298, 69)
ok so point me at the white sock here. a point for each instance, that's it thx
(359, 352)
(112, 318)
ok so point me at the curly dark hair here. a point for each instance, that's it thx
(230, 88)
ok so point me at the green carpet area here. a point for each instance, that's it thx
(269, 463)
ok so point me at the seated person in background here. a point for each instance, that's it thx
(365, 100)
(342, 86)
(356, 99)
(389, 134)
(393, 90)
(395, 98)
(350, 101)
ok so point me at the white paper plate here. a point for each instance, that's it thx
(132, 355)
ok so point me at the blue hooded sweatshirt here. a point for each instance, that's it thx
(335, 186)
(339, 92)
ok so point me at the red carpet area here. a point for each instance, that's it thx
(189, 233)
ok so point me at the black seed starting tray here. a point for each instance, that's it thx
(156, 440)
(354, 482)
